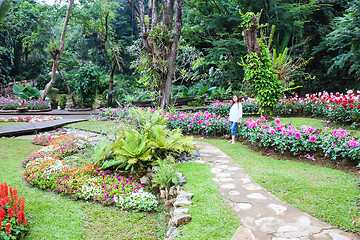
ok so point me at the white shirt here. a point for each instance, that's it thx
(235, 112)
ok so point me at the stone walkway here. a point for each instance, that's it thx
(264, 217)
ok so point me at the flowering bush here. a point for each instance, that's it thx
(30, 119)
(334, 144)
(12, 218)
(336, 107)
(43, 139)
(248, 105)
(46, 169)
(202, 123)
(12, 104)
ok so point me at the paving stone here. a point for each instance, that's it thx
(226, 179)
(243, 233)
(221, 161)
(216, 170)
(268, 224)
(243, 206)
(245, 180)
(278, 209)
(305, 221)
(223, 174)
(222, 166)
(256, 196)
(234, 193)
(252, 187)
(231, 169)
(216, 179)
(287, 228)
(227, 186)
(276, 238)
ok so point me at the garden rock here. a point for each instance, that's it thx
(182, 180)
(196, 153)
(185, 194)
(180, 219)
(181, 201)
(145, 180)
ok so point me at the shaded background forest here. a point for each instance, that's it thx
(325, 33)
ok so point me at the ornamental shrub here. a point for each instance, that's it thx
(86, 83)
(12, 217)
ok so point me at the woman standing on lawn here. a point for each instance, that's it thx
(235, 116)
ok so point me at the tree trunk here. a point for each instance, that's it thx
(111, 83)
(250, 36)
(67, 85)
(166, 85)
(58, 53)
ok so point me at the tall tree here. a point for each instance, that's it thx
(160, 30)
(57, 51)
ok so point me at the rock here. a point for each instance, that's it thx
(145, 180)
(180, 211)
(178, 174)
(170, 231)
(155, 168)
(172, 191)
(185, 194)
(182, 180)
(179, 202)
(162, 193)
(182, 156)
(180, 220)
(196, 154)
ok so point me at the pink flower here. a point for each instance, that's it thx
(297, 134)
(312, 139)
(277, 121)
(190, 126)
(263, 119)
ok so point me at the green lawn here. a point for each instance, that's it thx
(327, 194)
(107, 127)
(53, 217)
(209, 212)
(2, 124)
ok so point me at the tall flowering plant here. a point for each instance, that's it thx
(12, 217)
(12, 104)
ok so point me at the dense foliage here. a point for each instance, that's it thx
(324, 34)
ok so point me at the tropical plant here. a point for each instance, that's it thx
(86, 84)
(131, 152)
(165, 176)
(27, 92)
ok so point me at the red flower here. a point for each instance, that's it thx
(11, 212)
(2, 214)
(344, 104)
(7, 231)
(359, 106)
(327, 106)
(351, 106)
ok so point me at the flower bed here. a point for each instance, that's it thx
(335, 107)
(13, 104)
(46, 169)
(306, 141)
(201, 123)
(12, 218)
(30, 119)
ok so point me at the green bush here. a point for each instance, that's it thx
(86, 83)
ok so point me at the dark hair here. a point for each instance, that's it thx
(237, 99)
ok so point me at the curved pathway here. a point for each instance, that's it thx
(264, 217)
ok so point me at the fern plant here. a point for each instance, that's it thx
(165, 142)
(132, 152)
(165, 176)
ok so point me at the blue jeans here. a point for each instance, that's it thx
(233, 128)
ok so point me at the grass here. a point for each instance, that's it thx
(324, 193)
(54, 217)
(3, 124)
(107, 127)
(212, 218)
